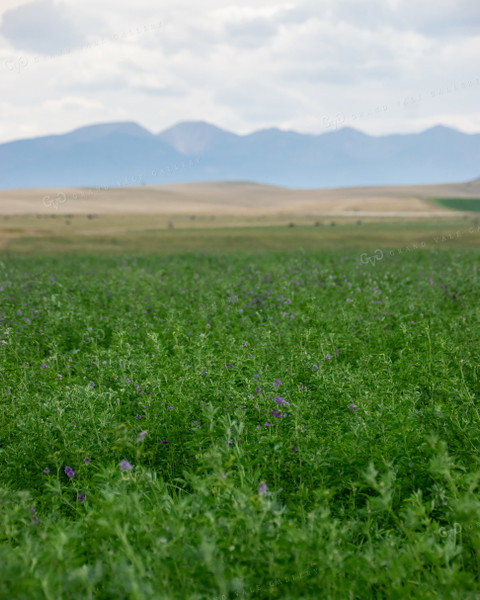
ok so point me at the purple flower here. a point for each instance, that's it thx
(86, 460)
(164, 442)
(294, 448)
(32, 511)
(47, 470)
(352, 407)
(262, 488)
(91, 384)
(337, 352)
(34, 519)
(315, 368)
(127, 380)
(267, 425)
(280, 401)
(125, 466)
(276, 383)
(19, 312)
(230, 442)
(328, 357)
(170, 407)
(141, 435)
(276, 413)
(81, 497)
(138, 416)
(69, 472)
(43, 366)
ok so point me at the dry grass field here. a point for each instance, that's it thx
(240, 199)
(227, 215)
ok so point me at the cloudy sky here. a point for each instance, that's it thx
(380, 66)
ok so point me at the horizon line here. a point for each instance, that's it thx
(176, 124)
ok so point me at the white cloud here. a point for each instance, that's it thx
(71, 103)
(41, 26)
(241, 66)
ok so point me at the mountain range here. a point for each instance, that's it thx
(126, 154)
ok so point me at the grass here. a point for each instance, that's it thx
(115, 235)
(467, 204)
(298, 425)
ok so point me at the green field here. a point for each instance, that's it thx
(467, 204)
(235, 424)
(116, 235)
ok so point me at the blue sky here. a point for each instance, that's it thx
(380, 66)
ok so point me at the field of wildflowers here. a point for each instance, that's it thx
(292, 425)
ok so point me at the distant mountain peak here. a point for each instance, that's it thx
(442, 129)
(193, 137)
(91, 132)
(124, 153)
(194, 125)
(347, 132)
